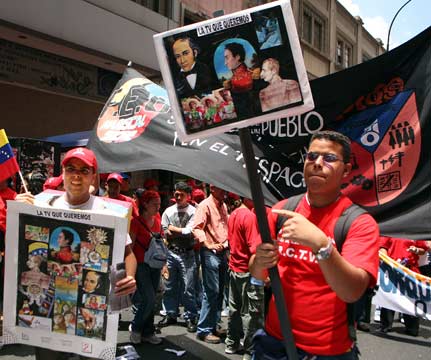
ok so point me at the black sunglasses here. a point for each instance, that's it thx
(327, 157)
(83, 171)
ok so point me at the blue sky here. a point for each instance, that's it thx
(378, 14)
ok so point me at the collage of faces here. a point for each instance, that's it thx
(63, 278)
(234, 74)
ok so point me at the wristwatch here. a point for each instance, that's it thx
(324, 252)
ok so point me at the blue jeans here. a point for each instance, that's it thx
(181, 285)
(214, 268)
(267, 347)
(198, 280)
(144, 299)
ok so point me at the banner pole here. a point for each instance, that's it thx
(23, 181)
(259, 206)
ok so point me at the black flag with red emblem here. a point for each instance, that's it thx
(136, 131)
(382, 105)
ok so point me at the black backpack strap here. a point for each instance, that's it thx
(290, 204)
(340, 233)
(344, 222)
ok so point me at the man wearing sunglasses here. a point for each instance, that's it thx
(318, 280)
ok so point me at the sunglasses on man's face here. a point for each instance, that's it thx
(83, 171)
(327, 157)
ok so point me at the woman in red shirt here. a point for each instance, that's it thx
(147, 279)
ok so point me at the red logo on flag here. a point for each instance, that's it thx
(129, 111)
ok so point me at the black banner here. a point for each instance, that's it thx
(382, 105)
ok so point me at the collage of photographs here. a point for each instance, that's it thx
(63, 279)
(235, 74)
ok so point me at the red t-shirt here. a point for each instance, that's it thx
(135, 211)
(241, 232)
(7, 194)
(318, 317)
(397, 250)
(2, 216)
(143, 236)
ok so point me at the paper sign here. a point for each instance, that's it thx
(58, 269)
(234, 71)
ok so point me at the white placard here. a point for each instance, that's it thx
(234, 71)
(56, 296)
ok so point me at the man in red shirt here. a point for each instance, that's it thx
(246, 294)
(406, 252)
(6, 193)
(317, 280)
(113, 184)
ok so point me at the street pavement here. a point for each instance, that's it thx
(373, 346)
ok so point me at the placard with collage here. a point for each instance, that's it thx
(60, 268)
(62, 289)
(234, 71)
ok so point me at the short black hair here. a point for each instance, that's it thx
(337, 137)
(139, 192)
(192, 43)
(35, 181)
(236, 49)
(182, 186)
(68, 235)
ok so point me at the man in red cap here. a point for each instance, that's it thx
(113, 185)
(79, 172)
(151, 184)
(54, 183)
(198, 195)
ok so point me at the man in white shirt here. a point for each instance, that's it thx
(79, 172)
(177, 223)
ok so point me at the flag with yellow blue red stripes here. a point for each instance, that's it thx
(8, 164)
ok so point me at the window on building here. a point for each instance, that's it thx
(344, 54)
(251, 3)
(163, 7)
(307, 27)
(339, 55)
(313, 29)
(318, 34)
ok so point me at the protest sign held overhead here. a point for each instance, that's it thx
(382, 105)
(234, 71)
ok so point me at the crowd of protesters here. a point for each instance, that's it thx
(212, 241)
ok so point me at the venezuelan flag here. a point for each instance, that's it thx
(8, 163)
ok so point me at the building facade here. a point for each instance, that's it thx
(60, 59)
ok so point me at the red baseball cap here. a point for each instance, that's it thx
(116, 177)
(103, 176)
(233, 196)
(53, 183)
(198, 195)
(83, 154)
